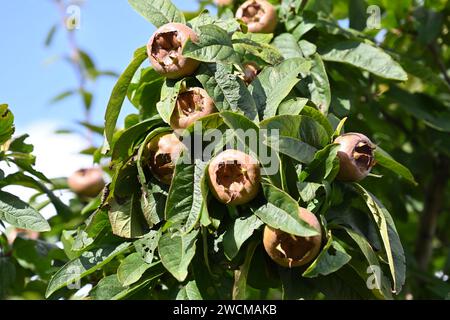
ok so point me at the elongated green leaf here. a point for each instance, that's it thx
(386, 161)
(319, 87)
(288, 46)
(131, 269)
(126, 218)
(365, 57)
(169, 95)
(119, 93)
(214, 45)
(292, 147)
(303, 128)
(384, 287)
(123, 147)
(176, 253)
(332, 257)
(240, 276)
(238, 233)
(185, 200)
(282, 213)
(227, 89)
(86, 264)
(158, 12)
(273, 84)
(147, 245)
(292, 106)
(18, 213)
(391, 240)
(6, 123)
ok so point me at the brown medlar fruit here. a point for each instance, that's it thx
(289, 250)
(191, 105)
(165, 49)
(251, 71)
(222, 3)
(234, 177)
(86, 182)
(259, 16)
(163, 152)
(356, 156)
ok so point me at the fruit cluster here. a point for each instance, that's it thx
(235, 177)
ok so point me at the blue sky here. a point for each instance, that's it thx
(30, 76)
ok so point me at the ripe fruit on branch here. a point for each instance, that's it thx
(251, 71)
(191, 105)
(163, 153)
(234, 177)
(356, 156)
(290, 251)
(165, 50)
(87, 182)
(221, 3)
(258, 15)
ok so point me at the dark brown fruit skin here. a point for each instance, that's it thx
(234, 177)
(259, 15)
(191, 105)
(356, 156)
(165, 48)
(87, 182)
(251, 71)
(163, 152)
(292, 251)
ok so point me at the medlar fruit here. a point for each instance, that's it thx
(163, 152)
(258, 15)
(87, 182)
(165, 50)
(356, 156)
(191, 105)
(234, 177)
(289, 250)
(222, 3)
(251, 71)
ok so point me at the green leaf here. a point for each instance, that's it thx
(131, 269)
(332, 257)
(185, 199)
(357, 14)
(303, 128)
(21, 215)
(176, 252)
(391, 240)
(6, 123)
(124, 146)
(238, 232)
(273, 84)
(384, 287)
(240, 276)
(319, 87)
(214, 45)
(86, 264)
(292, 147)
(292, 106)
(169, 95)
(385, 160)
(189, 292)
(365, 57)
(158, 12)
(247, 43)
(119, 93)
(227, 89)
(282, 213)
(126, 218)
(147, 245)
(288, 46)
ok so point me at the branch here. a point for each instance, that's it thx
(434, 51)
(434, 203)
